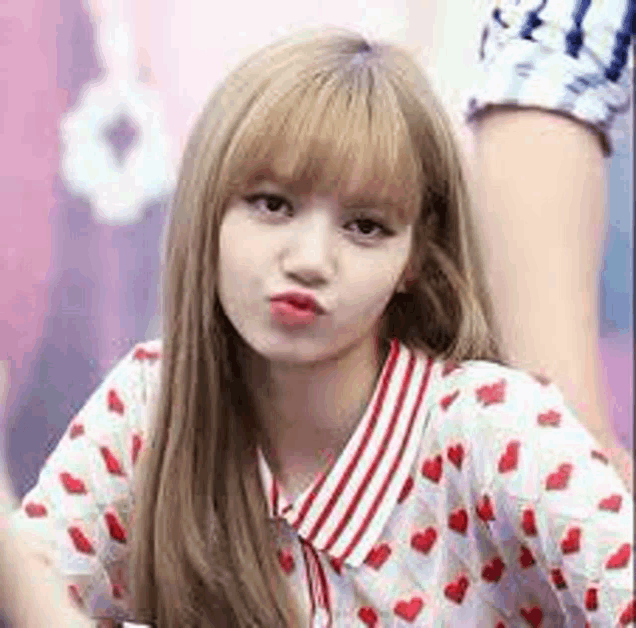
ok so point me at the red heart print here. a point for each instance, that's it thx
(492, 393)
(35, 510)
(557, 578)
(115, 528)
(629, 614)
(82, 544)
(448, 399)
(599, 455)
(559, 479)
(458, 521)
(336, 563)
(406, 489)
(551, 417)
(449, 367)
(456, 455)
(509, 460)
(117, 591)
(620, 558)
(423, 541)
(76, 598)
(377, 556)
(410, 610)
(136, 448)
(500, 624)
(456, 590)
(613, 503)
(526, 559)
(72, 484)
(115, 404)
(112, 464)
(484, 509)
(572, 542)
(142, 354)
(286, 560)
(77, 429)
(533, 616)
(591, 599)
(492, 570)
(528, 522)
(432, 468)
(368, 616)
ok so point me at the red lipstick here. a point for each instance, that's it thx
(295, 308)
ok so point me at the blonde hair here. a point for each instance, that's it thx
(311, 107)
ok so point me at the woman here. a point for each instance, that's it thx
(354, 451)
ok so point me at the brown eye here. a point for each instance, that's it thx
(370, 229)
(270, 203)
(367, 226)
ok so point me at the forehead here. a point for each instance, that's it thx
(344, 136)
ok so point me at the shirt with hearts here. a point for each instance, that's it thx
(469, 494)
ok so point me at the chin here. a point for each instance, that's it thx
(298, 347)
(306, 348)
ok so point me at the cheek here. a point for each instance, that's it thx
(373, 285)
(225, 261)
(237, 251)
(234, 264)
(244, 263)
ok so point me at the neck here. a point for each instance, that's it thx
(309, 412)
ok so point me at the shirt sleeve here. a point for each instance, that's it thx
(562, 519)
(569, 56)
(77, 515)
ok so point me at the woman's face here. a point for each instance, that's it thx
(347, 253)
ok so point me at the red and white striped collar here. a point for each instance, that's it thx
(343, 512)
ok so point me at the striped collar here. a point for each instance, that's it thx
(344, 511)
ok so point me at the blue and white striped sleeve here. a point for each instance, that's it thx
(570, 56)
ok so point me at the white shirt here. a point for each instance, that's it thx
(466, 496)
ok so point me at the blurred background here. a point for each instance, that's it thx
(96, 100)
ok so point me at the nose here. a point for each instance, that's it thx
(310, 254)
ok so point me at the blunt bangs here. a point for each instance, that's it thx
(334, 132)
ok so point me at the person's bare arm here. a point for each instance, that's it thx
(540, 196)
(32, 594)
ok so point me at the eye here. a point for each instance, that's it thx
(268, 203)
(370, 229)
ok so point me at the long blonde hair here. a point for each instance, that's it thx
(313, 106)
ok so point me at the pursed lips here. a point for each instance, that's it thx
(300, 300)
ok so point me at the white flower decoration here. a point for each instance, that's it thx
(115, 145)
